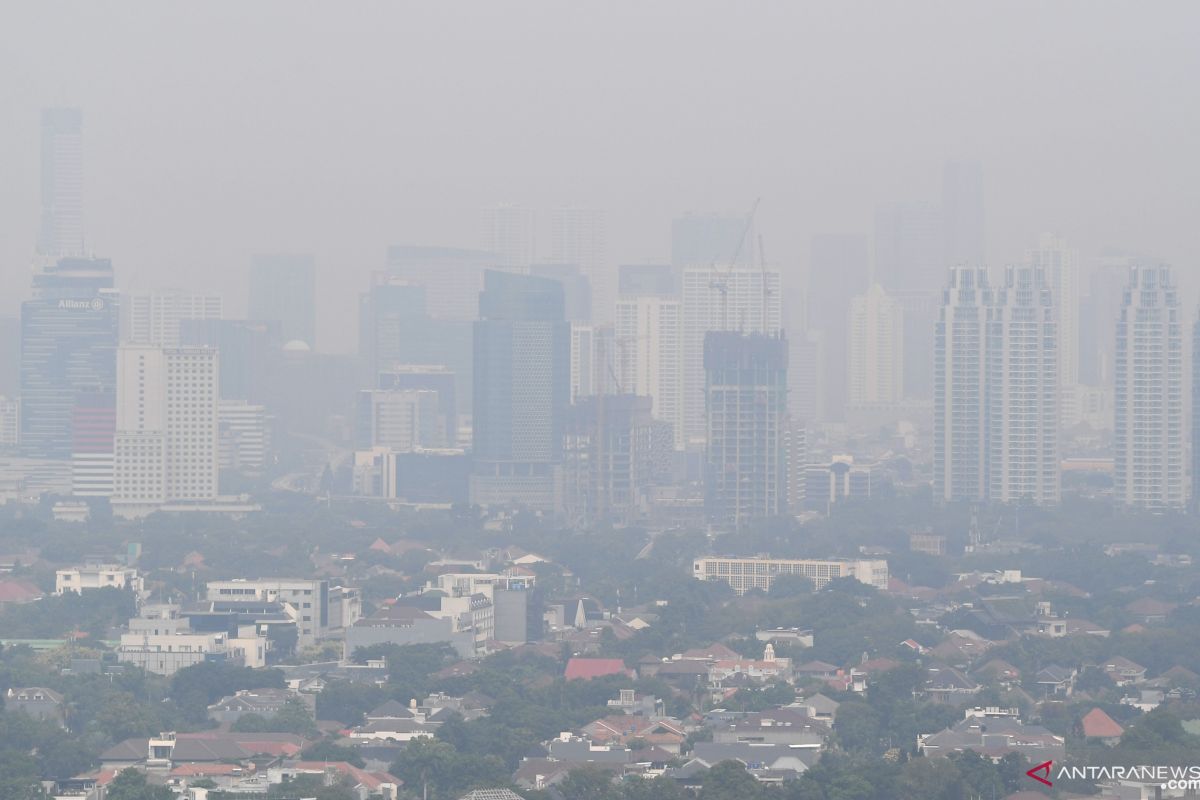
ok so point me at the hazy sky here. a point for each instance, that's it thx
(214, 130)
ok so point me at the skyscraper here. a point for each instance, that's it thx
(580, 236)
(705, 240)
(910, 247)
(167, 428)
(746, 391)
(649, 345)
(93, 424)
(1061, 267)
(1148, 403)
(959, 388)
(875, 363)
(250, 352)
(996, 410)
(510, 233)
(62, 184)
(68, 346)
(1021, 385)
(646, 279)
(283, 289)
(839, 269)
(155, 317)
(521, 391)
(577, 288)
(962, 213)
(451, 276)
(1195, 500)
(744, 299)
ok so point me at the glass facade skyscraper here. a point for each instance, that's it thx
(69, 332)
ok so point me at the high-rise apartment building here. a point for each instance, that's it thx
(580, 236)
(283, 289)
(746, 391)
(167, 428)
(1148, 401)
(62, 184)
(155, 317)
(68, 346)
(1021, 386)
(910, 247)
(510, 232)
(959, 387)
(875, 358)
(996, 408)
(1060, 264)
(521, 391)
(839, 270)
(635, 280)
(743, 299)
(962, 213)
(649, 345)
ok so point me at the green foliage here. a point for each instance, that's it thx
(131, 784)
(326, 750)
(53, 617)
(447, 773)
(292, 718)
(197, 687)
(729, 780)
(348, 702)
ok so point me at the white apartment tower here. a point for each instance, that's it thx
(1061, 267)
(1021, 382)
(166, 448)
(876, 350)
(959, 392)
(580, 236)
(510, 233)
(1148, 401)
(744, 299)
(154, 317)
(649, 345)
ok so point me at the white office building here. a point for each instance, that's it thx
(876, 350)
(1148, 440)
(740, 298)
(649, 350)
(760, 572)
(243, 438)
(97, 576)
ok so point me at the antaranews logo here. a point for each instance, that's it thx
(1044, 769)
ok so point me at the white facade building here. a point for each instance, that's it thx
(309, 598)
(649, 355)
(166, 447)
(1060, 264)
(154, 317)
(760, 572)
(959, 387)
(876, 350)
(1148, 438)
(244, 437)
(97, 576)
(740, 298)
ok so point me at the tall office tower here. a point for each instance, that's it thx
(635, 280)
(705, 240)
(68, 346)
(10, 423)
(62, 184)
(391, 315)
(283, 289)
(432, 378)
(962, 213)
(593, 361)
(746, 390)
(521, 391)
(1022, 393)
(839, 269)
(402, 420)
(959, 471)
(243, 437)
(510, 232)
(743, 299)
(580, 236)
(452, 277)
(1097, 346)
(1148, 435)
(1195, 500)
(920, 312)
(1061, 267)
(649, 350)
(613, 452)
(910, 247)
(577, 288)
(795, 446)
(155, 317)
(250, 352)
(806, 370)
(93, 426)
(167, 438)
(875, 363)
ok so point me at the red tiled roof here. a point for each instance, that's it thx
(17, 590)
(371, 780)
(1097, 724)
(588, 668)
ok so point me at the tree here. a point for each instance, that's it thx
(348, 702)
(325, 750)
(590, 783)
(131, 785)
(931, 779)
(729, 780)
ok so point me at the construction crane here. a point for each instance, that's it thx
(721, 282)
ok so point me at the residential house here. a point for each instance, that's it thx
(948, 685)
(784, 726)
(664, 733)
(1100, 726)
(1056, 681)
(1124, 671)
(993, 734)
(588, 668)
(263, 702)
(38, 702)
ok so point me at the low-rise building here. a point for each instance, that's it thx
(97, 576)
(38, 702)
(744, 574)
(263, 702)
(309, 597)
(994, 733)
